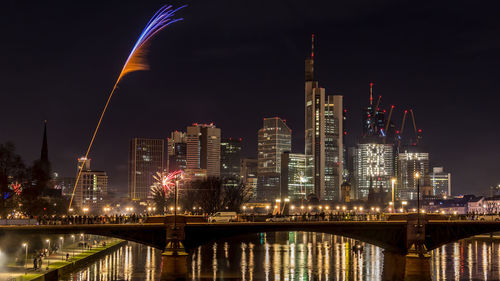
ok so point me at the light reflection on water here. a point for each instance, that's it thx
(293, 256)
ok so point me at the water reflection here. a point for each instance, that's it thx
(297, 256)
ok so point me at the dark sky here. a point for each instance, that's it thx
(235, 62)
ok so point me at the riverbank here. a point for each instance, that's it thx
(58, 267)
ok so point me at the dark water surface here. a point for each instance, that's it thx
(296, 256)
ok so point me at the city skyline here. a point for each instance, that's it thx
(68, 135)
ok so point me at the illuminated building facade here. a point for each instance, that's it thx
(203, 148)
(230, 158)
(146, 158)
(92, 188)
(294, 184)
(248, 173)
(323, 137)
(440, 182)
(373, 164)
(410, 162)
(177, 150)
(274, 138)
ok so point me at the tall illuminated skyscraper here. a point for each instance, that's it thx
(92, 188)
(373, 166)
(230, 153)
(146, 157)
(440, 182)
(176, 149)
(294, 184)
(203, 148)
(323, 136)
(248, 174)
(274, 138)
(410, 162)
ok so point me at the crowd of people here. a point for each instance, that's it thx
(92, 219)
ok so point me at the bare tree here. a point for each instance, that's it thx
(12, 169)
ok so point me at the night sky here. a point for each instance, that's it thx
(235, 62)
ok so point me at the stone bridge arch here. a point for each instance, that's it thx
(439, 233)
(387, 235)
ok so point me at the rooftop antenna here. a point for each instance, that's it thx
(371, 93)
(312, 46)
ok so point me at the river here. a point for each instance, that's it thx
(296, 256)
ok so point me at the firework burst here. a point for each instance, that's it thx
(16, 187)
(166, 181)
(136, 61)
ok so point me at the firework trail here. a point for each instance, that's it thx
(136, 61)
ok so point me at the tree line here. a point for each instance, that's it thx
(212, 194)
(26, 189)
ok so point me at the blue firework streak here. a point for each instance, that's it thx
(161, 19)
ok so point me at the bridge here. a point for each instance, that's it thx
(396, 236)
(401, 237)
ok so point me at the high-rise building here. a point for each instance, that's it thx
(230, 158)
(177, 150)
(294, 184)
(248, 173)
(146, 158)
(274, 138)
(410, 162)
(323, 136)
(203, 148)
(373, 167)
(92, 188)
(440, 182)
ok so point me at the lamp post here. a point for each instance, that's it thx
(417, 176)
(393, 181)
(61, 243)
(48, 254)
(25, 245)
(73, 236)
(175, 203)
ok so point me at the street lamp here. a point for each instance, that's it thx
(73, 236)
(61, 242)
(403, 204)
(417, 176)
(393, 181)
(48, 254)
(25, 245)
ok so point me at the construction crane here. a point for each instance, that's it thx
(378, 103)
(417, 132)
(389, 118)
(403, 123)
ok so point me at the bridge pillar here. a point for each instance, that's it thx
(415, 236)
(174, 257)
(398, 267)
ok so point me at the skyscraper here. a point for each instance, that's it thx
(274, 138)
(440, 182)
(410, 162)
(230, 157)
(177, 150)
(203, 148)
(323, 136)
(248, 173)
(293, 176)
(92, 188)
(373, 167)
(146, 158)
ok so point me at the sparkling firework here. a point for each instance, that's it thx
(167, 181)
(136, 61)
(16, 187)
